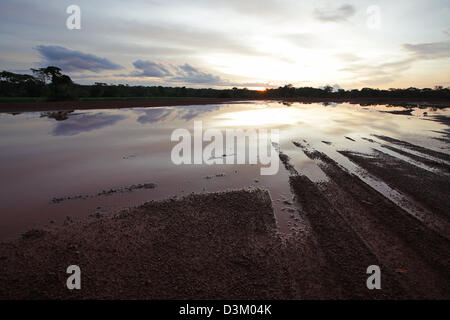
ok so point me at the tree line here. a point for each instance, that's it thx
(50, 83)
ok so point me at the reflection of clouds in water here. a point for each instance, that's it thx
(84, 123)
(187, 113)
(154, 115)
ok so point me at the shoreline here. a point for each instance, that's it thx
(6, 107)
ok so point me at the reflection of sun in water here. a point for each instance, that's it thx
(257, 117)
(274, 116)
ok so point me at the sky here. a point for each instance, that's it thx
(226, 43)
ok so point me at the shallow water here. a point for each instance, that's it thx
(42, 158)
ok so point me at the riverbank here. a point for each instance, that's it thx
(137, 103)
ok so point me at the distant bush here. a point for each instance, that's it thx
(51, 84)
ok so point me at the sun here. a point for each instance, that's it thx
(260, 89)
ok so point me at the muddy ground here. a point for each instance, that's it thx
(227, 245)
(210, 246)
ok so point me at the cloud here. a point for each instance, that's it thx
(303, 40)
(373, 74)
(173, 73)
(161, 73)
(432, 50)
(382, 73)
(150, 69)
(339, 14)
(348, 57)
(187, 73)
(74, 61)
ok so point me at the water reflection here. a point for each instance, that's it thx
(330, 104)
(154, 115)
(84, 123)
(57, 115)
(187, 113)
(42, 166)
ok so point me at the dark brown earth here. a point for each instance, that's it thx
(211, 246)
(112, 104)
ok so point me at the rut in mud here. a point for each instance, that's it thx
(356, 225)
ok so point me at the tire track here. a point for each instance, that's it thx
(416, 256)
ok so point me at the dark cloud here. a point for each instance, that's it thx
(74, 61)
(173, 73)
(184, 74)
(433, 50)
(339, 14)
(187, 73)
(150, 69)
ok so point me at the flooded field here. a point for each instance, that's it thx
(356, 186)
(80, 163)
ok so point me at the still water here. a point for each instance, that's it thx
(83, 154)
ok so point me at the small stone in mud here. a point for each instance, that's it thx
(349, 138)
(326, 142)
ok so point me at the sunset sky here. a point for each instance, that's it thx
(226, 43)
